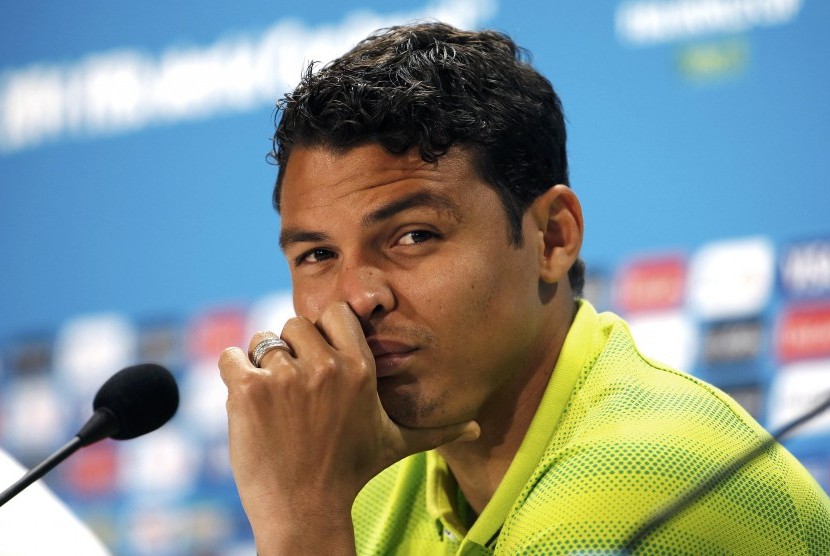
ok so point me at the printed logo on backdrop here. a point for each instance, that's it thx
(651, 284)
(92, 471)
(712, 31)
(162, 464)
(732, 342)
(161, 341)
(30, 355)
(36, 415)
(648, 22)
(126, 90)
(212, 331)
(732, 279)
(805, 269)
(803, 332)
(797, 388)
(90, 348)
(668, 337)
(596, 289)
(270, 312)
(750, 397)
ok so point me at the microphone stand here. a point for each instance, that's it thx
(41, 469)
(102, 424)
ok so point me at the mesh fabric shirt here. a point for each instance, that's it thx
(616, 436)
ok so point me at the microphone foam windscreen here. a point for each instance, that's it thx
(142, 397)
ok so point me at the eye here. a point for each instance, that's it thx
(416, 236)
(314, 256)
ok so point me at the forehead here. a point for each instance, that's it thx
(319, 181)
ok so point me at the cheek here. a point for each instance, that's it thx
(499, 298)
(307, 303)
(468, 294)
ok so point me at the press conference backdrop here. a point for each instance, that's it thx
(136, 220)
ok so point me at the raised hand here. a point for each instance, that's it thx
(308, 431)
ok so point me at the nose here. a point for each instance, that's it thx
(366, 290)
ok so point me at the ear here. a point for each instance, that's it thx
(557, 219)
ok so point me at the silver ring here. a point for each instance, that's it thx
(266, 345)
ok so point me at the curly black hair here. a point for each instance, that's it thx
(431, 85)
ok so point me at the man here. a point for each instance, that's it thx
(443, 389)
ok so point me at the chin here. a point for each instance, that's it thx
(410, 408)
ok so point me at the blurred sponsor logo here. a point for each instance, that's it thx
(713, 60)
(751, 398)
(92, 348)
(669, 338)
(819, 468)
(596, 288)
(270, 313)
(161, 463)
(161, 342)
(644, 22)
(203, 397)
(804, 332)
(213, 331)
(156, 529)
(34, 417)
(216, 464)
(651, 284)
(732, 278)
(728, 342)
(797, 388)
(204, 527)
(125, 90)
(805, 268)
(92, 471)
(30, 355)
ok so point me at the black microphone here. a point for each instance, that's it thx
(134, 401)
(673, 509)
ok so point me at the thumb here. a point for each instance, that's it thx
(421, 440)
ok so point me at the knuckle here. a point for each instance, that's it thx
(258, 337)
(275, 357)
(227, 356)
(364, 367)
(283, 379)
(249, 383)
(295, 324)
(326, 364)
(255, 388)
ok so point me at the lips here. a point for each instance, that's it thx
(389, 355)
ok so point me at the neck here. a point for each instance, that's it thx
(479, 467)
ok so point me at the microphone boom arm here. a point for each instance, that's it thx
(41, 469)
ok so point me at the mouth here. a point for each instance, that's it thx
(390, 355)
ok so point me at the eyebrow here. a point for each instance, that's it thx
(437, 201)
(420, 199)
(296, 235)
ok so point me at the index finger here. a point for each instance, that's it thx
(232, 363)
(339, 323)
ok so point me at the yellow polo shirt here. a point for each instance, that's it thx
(616, 436)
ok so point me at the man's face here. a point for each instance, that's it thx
(420, 252)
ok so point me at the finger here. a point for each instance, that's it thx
(232, 362)
(342, 328)
(411, 441)
(305, 339)
(270, 355)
